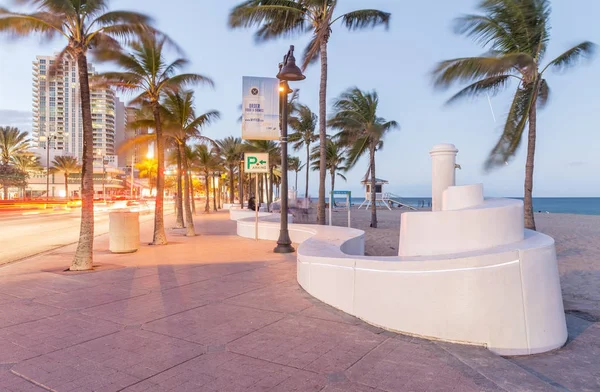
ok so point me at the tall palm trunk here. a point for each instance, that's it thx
(207, 205)
(373, 190)
(85, 247)
(231, 184)
(528, 196)
(214, 194)
(178, 200)
(192, 199)
(241, 186)
(270, 188)
(296, 184)
(322, 133)
(159, 238)
(332, 180)
(5, 191)
(307, 169)
(189, 219)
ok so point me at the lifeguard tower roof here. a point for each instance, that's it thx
(378, 181)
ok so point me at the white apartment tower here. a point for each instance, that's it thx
(57, 111)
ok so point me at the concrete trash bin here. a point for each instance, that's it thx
(124, 231)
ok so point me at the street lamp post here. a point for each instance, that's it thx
(288, 71)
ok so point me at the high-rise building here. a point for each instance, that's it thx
(57, 120)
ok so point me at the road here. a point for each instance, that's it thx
(26, 234)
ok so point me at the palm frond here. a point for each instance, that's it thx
(472, 68)
(311, 53)
(513, 130)
(185, 80)
(121, 18)
(140, 140)
(572, 56)
(491, 86)
(361, 19)
(23, 25)
(283, 13)
(486, 30)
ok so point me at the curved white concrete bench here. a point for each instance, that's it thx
(506, 298)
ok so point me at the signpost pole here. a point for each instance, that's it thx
(256, 208)
(348, 205)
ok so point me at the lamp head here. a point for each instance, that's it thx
(289, 70)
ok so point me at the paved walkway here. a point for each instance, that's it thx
(221, 313)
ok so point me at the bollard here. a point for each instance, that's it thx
(124, 231)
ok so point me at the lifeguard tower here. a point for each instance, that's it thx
(382, 198)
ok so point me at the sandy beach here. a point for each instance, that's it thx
(577, 245)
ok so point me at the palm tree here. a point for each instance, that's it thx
(277, 18)
(66, 165)
(516, 35)
(86, 26)
(13, 142)
(335, 160)
(304, 124)
(11, 176)
(361, 130)
(148, 169)
(295, 165)
(190, 156)
(182, 125)
(232, 151)
(28, 163)
(206, 161)
(146, 71)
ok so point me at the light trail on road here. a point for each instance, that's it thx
(23, 235)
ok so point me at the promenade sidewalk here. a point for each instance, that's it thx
(221, 313)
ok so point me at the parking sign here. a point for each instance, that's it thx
(256, 162)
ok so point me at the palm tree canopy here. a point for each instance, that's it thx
(295, 164)
(27, 162)
(516, 36)
(148, 168)
(360, 128)
(13, 142)
(147, 71)
(287, 18)
(65, 164)
(205, 160)
(231, 150)
(304, 123)
(180, 120)
(336, 158)
(266, 146)
(85, 24)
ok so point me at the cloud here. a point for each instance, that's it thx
(16, 118)
(577, 163)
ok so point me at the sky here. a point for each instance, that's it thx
(397, 64)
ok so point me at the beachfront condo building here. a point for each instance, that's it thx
(57, 120)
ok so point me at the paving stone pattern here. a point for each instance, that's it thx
(221, 313)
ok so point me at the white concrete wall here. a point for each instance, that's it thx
(496, 222)
(506, 298)
(460, 197)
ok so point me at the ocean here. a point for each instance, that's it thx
(553, 205)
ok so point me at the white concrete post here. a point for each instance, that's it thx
(443, 161)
